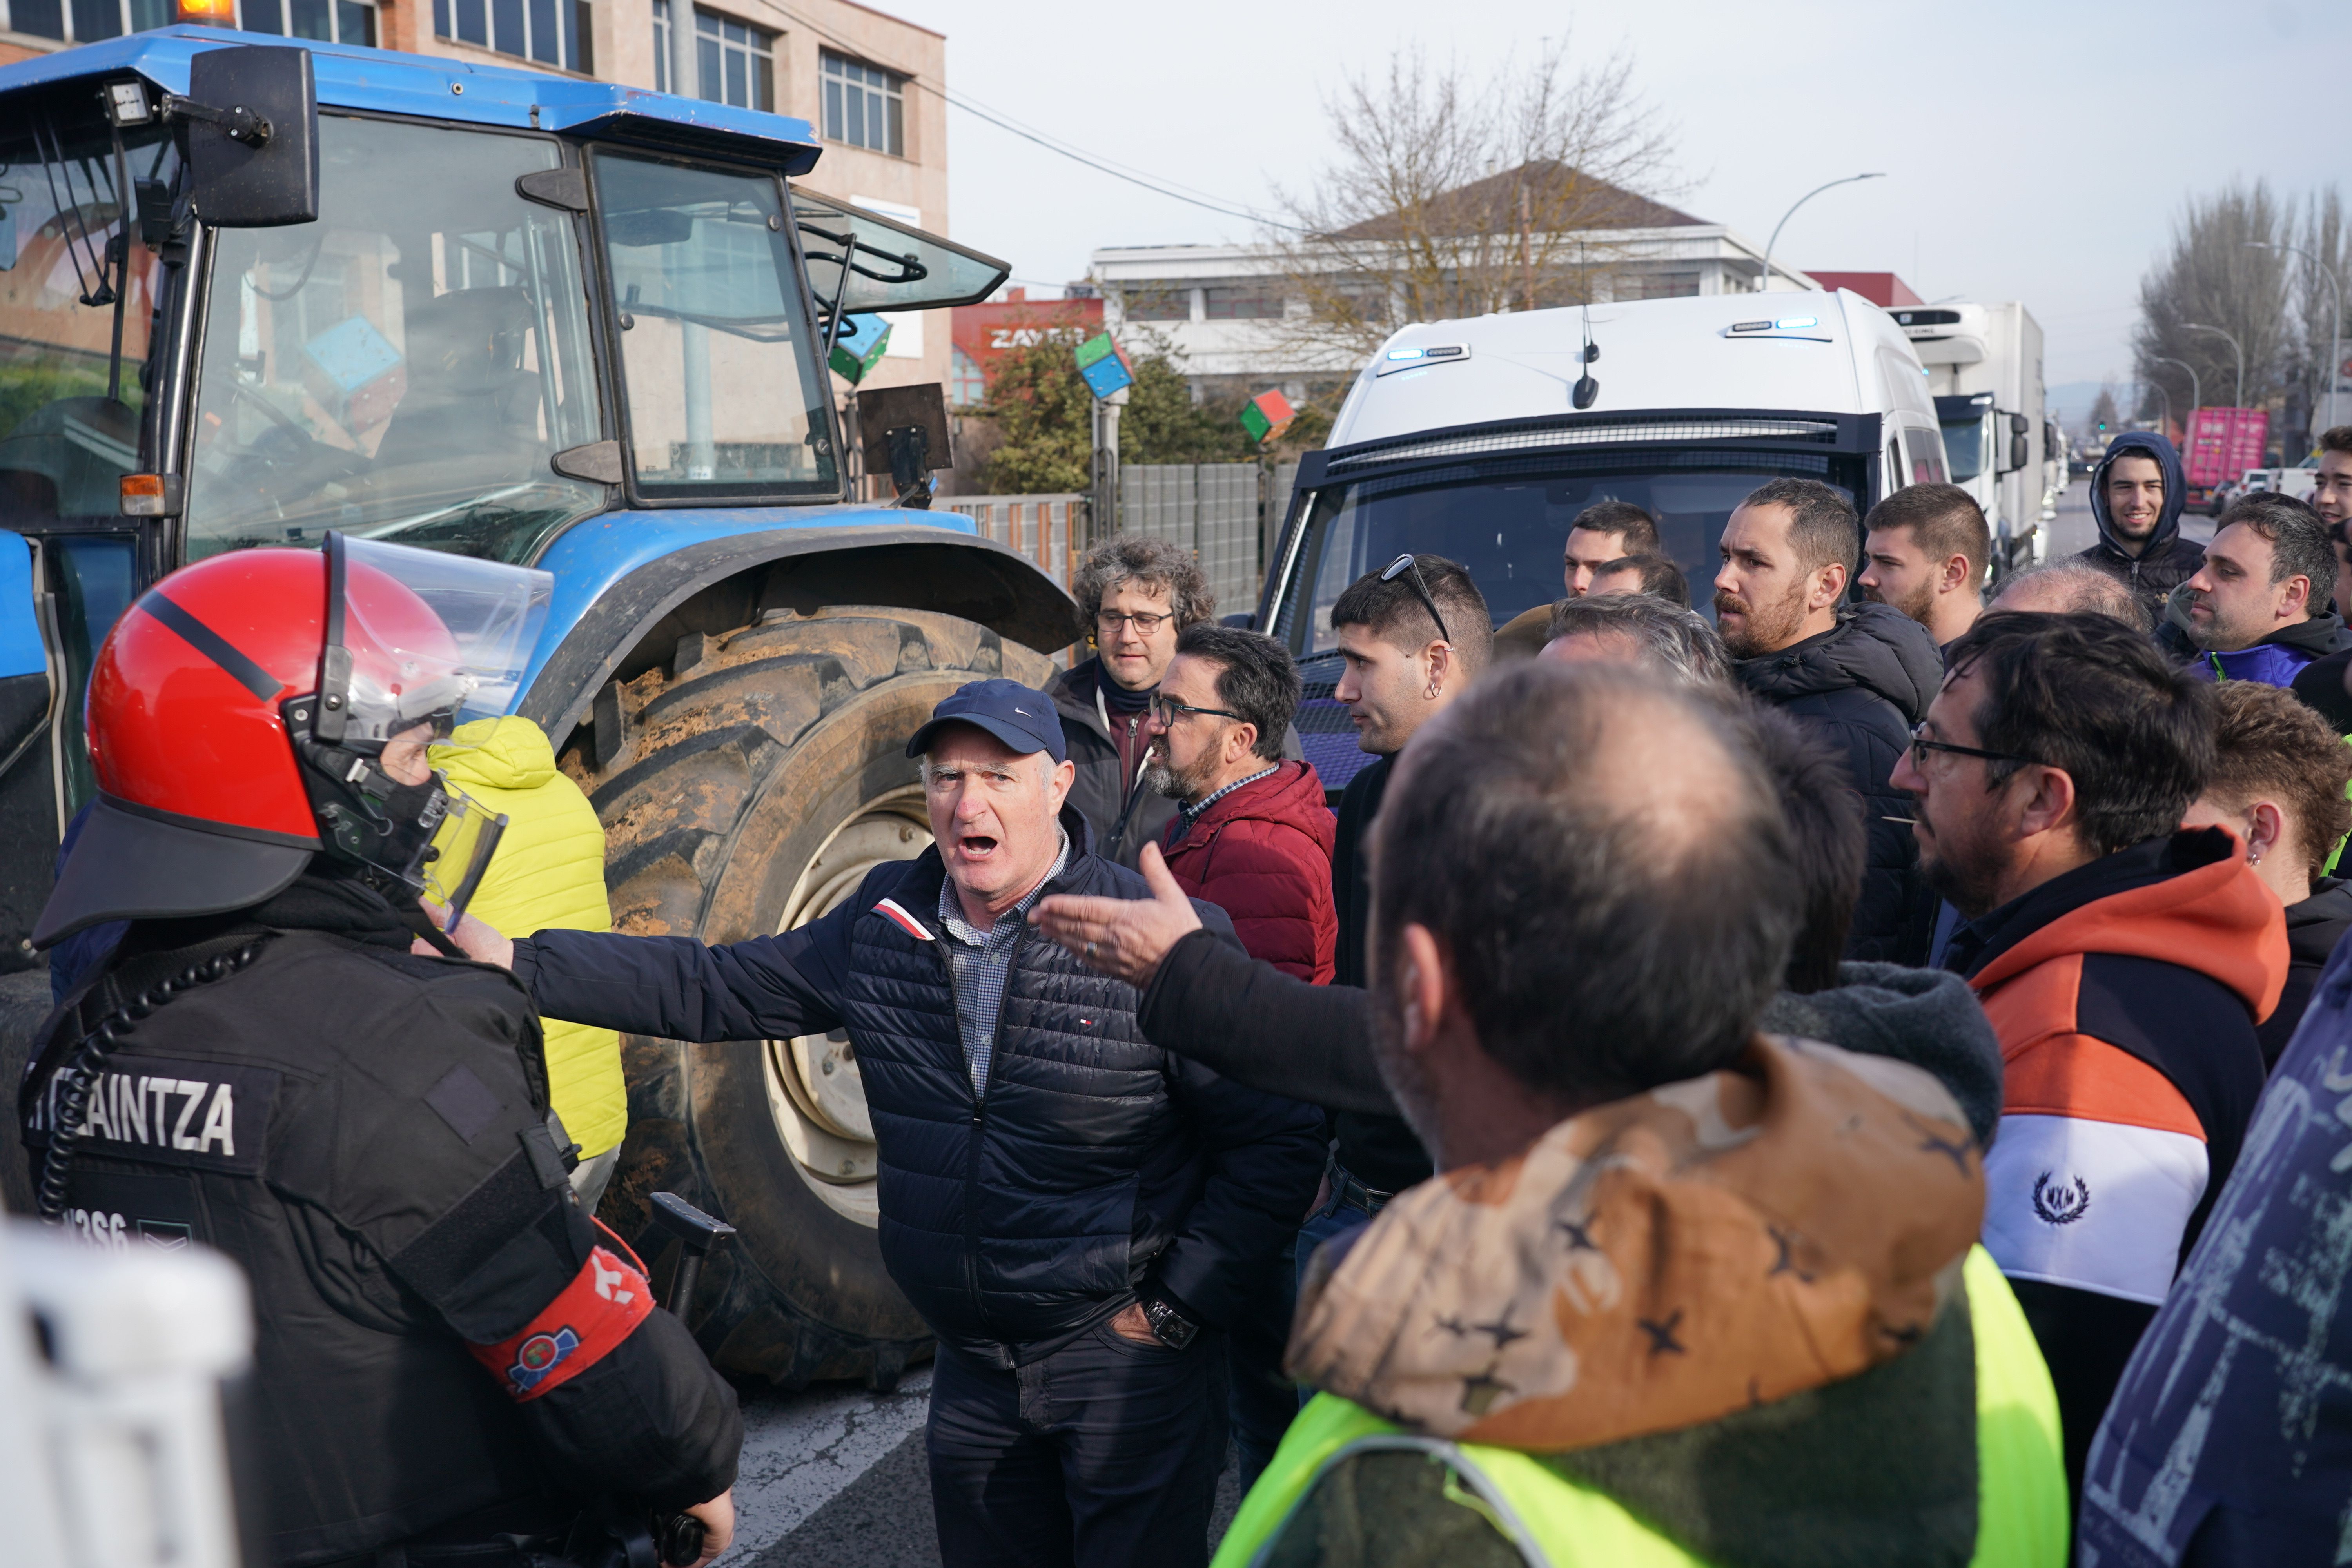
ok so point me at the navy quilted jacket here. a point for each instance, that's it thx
(1094, 1167)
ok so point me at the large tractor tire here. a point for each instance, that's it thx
(747, 788)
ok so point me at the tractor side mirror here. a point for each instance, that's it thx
(252, 135)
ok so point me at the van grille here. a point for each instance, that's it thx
(1407, 449)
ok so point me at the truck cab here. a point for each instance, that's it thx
(1477, 440)
(1984, 368)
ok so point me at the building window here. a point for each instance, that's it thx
(737, 62)
(967, 383)
(734, 62)
(553, 32)
(1157, 302)
(864, 105)
(1244, 301)
(87, 21)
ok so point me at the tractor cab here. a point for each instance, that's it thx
(253, 293)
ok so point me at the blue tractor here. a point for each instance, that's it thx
(252, 293)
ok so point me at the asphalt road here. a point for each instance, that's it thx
(833, 1478)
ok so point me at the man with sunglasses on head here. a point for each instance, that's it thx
(2123, 961)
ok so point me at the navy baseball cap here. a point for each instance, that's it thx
(1021, 716)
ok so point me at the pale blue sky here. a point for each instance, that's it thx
(2033, 150)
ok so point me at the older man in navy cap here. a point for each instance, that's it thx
(1076, 1213)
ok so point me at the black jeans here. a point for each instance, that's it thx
(1101, 1455)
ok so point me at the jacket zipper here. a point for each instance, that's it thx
(980, 1118)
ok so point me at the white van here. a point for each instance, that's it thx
(1473, 440)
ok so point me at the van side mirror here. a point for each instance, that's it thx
(251, 121)
(2019, 451)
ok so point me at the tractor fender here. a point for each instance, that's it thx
(618, 609)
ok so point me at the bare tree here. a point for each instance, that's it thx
(2215, 276)
(1449, 196)
(2325, 234)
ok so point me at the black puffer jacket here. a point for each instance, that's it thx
(1861, 685)
(2168, 560)
(1096, 1166)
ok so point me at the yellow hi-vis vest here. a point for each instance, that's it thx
(547, 874)
(1556, 1522)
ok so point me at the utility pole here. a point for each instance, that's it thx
(1105, 501)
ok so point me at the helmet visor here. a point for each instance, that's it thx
(465, 659)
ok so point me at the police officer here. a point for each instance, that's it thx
(451, 1358)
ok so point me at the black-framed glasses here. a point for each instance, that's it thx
(1110, 621)
(1921, 745)
(1168, 710)
(1405, 564)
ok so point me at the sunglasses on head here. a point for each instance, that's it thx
(1406, 566)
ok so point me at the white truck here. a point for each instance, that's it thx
(1984, 370)
(1481, 439)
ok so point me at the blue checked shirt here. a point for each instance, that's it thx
(980, 960)
(1193, 813)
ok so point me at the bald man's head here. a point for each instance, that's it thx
(1606, 863)
(2068, 587)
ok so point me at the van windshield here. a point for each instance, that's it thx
(1508, 523)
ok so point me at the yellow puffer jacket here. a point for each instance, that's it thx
(547, 873)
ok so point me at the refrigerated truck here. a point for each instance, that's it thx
(1984, 371)
(1481, 439)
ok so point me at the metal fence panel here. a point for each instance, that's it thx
(1226, 539)
(1208, 509)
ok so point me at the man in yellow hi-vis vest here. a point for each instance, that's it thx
(547, 872)
(1681, 1293)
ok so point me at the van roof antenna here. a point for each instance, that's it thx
(1586, 390)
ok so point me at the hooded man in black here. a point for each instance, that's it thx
(2137, 493)
(1857, 675)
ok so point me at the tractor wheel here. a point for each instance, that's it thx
(747, 789)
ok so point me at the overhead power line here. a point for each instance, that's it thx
(1053, 145)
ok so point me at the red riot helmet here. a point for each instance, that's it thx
(239, 710)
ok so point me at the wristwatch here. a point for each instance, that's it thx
(1173, 1328)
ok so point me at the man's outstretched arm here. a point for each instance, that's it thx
(675, 987)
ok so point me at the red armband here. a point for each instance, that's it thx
(602, 1306)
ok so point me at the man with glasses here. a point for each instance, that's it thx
(1252, 837)
(2123, 961)
(1135, 596)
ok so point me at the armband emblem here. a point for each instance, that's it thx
(540, 1354)
(587, 1320)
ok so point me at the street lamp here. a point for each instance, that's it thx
(2336, 341)
(1765, 280)
(2199, 327)
(2196, 387)
(2158, 387)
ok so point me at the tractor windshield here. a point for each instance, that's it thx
(725, 395)
(405, 367)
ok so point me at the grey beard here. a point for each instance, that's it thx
(1160, 779)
